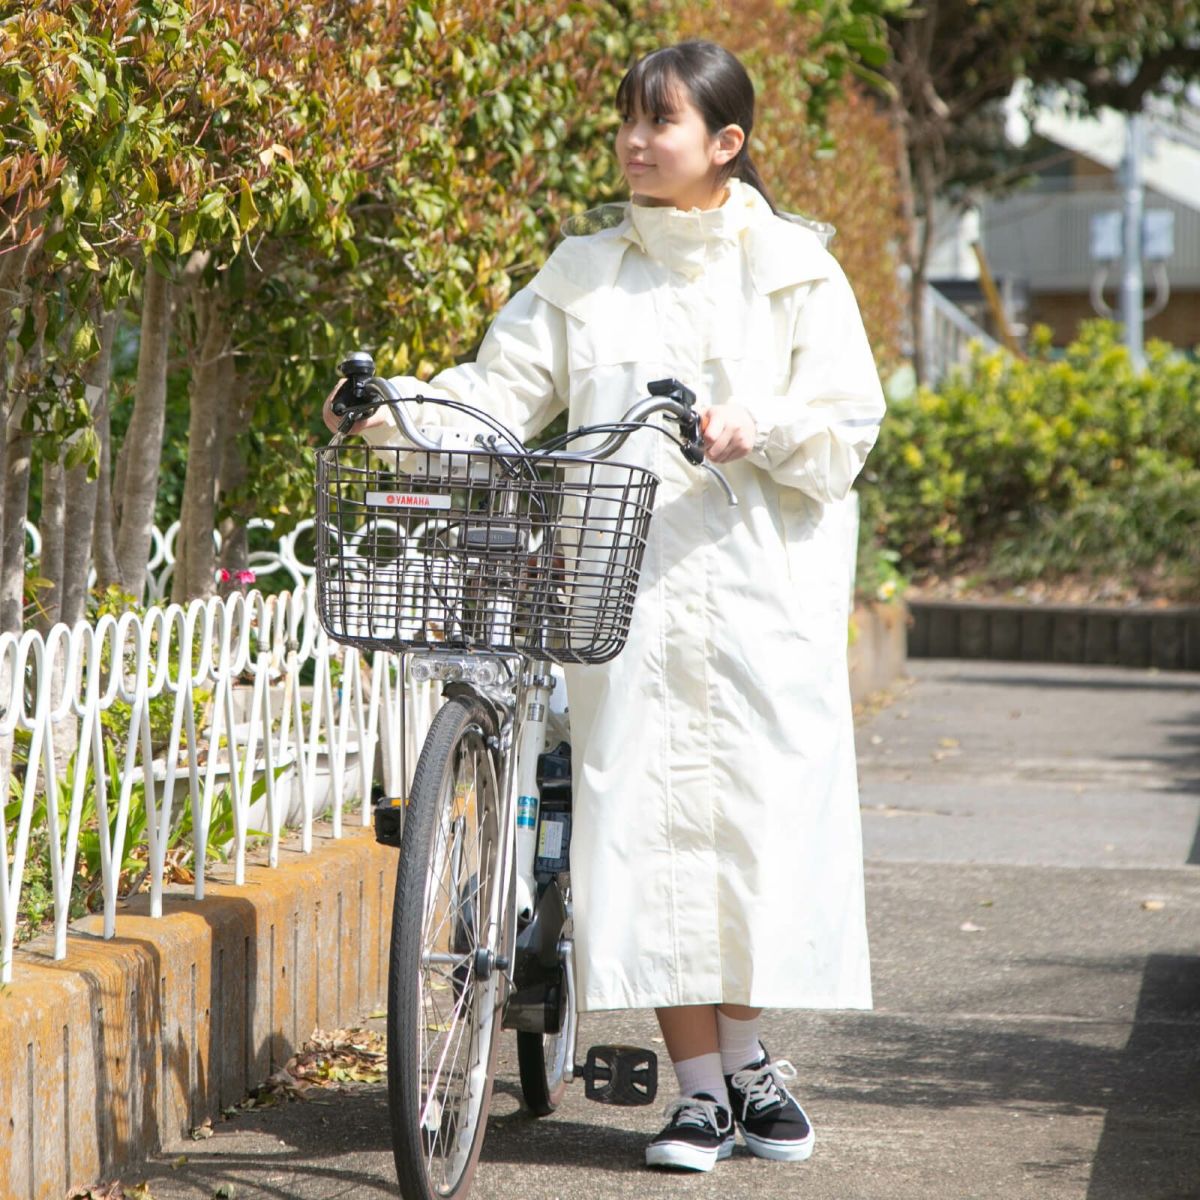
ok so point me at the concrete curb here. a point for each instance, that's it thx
(1166, 638)
(130, 1043)
(878, 654)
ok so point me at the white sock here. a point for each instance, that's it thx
(739, 1042)
(702, 1074)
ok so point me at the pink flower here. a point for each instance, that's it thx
(245, 576)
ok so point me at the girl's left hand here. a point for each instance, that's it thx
(729, 432)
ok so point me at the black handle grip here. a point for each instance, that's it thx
(692, 440)
(356, 368)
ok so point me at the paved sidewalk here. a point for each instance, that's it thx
(1033, 845)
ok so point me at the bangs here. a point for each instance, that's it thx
(652, 86)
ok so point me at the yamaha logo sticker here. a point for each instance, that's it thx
(405, 500)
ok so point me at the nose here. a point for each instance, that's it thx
(635, 135)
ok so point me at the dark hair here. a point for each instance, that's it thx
(717, 85)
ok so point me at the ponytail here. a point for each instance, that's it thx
(745, 170)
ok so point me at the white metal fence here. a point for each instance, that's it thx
(283, 557)
(136, 748)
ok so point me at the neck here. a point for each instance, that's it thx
(703, 199)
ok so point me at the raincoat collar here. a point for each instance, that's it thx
(685, 241)
(781, 251)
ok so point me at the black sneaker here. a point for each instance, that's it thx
(772, 1123)
(699, 1133)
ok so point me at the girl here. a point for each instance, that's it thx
(716, 859)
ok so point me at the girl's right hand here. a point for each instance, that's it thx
(333, 421)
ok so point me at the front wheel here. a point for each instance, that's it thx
(444, 990)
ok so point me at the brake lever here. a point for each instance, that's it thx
(692, 445)
(351, 414)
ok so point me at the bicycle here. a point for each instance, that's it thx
(482, 563)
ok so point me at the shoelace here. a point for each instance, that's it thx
(763, 1087)
(692, 1110)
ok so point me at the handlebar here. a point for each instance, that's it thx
(368, 391)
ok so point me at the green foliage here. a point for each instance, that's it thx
(850, 39)
(379, 176)
(1046, 467)
(878, 577)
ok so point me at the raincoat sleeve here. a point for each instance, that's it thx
(519, 375)
(816, 435)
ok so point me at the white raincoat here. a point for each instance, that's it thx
(716, 852)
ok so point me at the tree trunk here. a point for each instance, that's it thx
(195, 562)
(83, 494)
(50, 525)
(104, 552)
(19, 456)
(908, 212)
(231, 475)
(16, 507)
(13, 297)
(920, 267)
(143, 441)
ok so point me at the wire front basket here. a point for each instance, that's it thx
(473, 550)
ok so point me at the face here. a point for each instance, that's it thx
(671, 158)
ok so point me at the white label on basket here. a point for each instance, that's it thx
(406, 500)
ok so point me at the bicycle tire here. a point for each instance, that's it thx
(542, 1057)
(444, 1017)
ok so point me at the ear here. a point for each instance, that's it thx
(730, 140)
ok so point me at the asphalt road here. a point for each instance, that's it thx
(1033, 868)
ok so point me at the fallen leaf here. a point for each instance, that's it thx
(179, 1162)
(948, 743)
(202, 1131)
(140, 1192)
(1154, 905)
(970, 927)
(986, 903)
(876, 740)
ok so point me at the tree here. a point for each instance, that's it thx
(206, 207)
(953, 61)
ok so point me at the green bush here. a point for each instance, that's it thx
(1016, 470)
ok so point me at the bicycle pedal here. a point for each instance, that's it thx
(620, 1075)
(388, 815)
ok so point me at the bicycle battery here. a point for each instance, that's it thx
(554, 813)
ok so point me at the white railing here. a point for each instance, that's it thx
(163, 738)
(283, 556)
(949, 333)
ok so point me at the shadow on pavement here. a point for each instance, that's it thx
(1150, 1146)
(1148, 1090)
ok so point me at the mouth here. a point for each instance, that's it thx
(636, 165)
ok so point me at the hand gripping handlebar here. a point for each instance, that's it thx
(367, 391)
